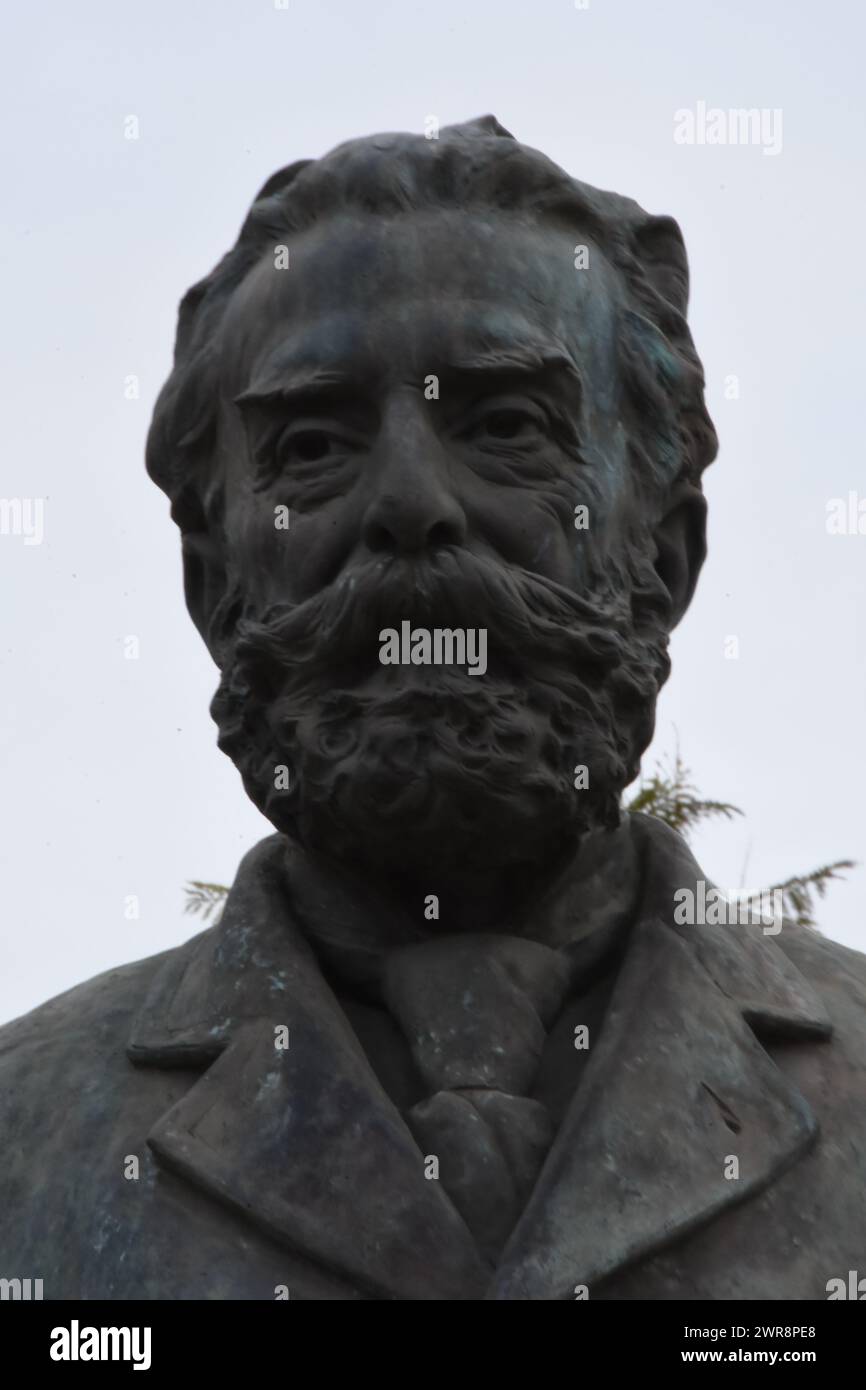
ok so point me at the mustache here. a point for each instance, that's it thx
(534, 624)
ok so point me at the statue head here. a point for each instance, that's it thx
(438, 382)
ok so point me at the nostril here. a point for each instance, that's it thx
(407, 528)
(443, 533)
(379, 539)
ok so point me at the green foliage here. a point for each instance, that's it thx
(798, 901)
(671, 797)
(205, 899)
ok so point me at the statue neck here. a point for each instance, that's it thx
(595, 885)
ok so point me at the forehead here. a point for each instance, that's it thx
(407, 296)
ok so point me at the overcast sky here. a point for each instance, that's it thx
(113, 787)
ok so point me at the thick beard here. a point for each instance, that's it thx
(410, 768)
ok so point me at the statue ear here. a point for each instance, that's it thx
(681, 546)
(659, 246)
(204, 584)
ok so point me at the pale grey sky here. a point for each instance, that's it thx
(113, 786)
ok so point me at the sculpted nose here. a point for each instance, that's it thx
(392, 527)
(413, 513)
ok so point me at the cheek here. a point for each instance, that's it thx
(548, 527)
(525, 527)
(284, 555)
(281, 552)
(259, 552)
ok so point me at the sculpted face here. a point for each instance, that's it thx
(330, 360)
(438, 420)
(432, 397)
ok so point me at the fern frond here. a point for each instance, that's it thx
(205, 899)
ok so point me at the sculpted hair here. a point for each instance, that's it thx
(476, 165)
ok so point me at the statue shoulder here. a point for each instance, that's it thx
(88, 1018)
(836, 972)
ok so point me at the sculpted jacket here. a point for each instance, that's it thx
(266, 1173)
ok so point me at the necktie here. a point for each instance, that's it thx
(475, 1011)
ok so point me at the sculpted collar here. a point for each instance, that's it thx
(306, 1144)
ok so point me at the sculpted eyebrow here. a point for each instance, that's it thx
(515, 358)
(488, 363)
(317, 385)
(508, 365)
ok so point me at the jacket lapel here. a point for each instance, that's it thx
(301, 1138)
(304, 1141)
(678, 1087)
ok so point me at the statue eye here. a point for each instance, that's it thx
(307, 445)
(505, 424)
(509, 424)
(310, 452)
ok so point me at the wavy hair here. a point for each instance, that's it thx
(475, 165)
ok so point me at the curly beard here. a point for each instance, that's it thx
(407, 767)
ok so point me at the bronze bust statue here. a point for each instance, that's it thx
(434, 437)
